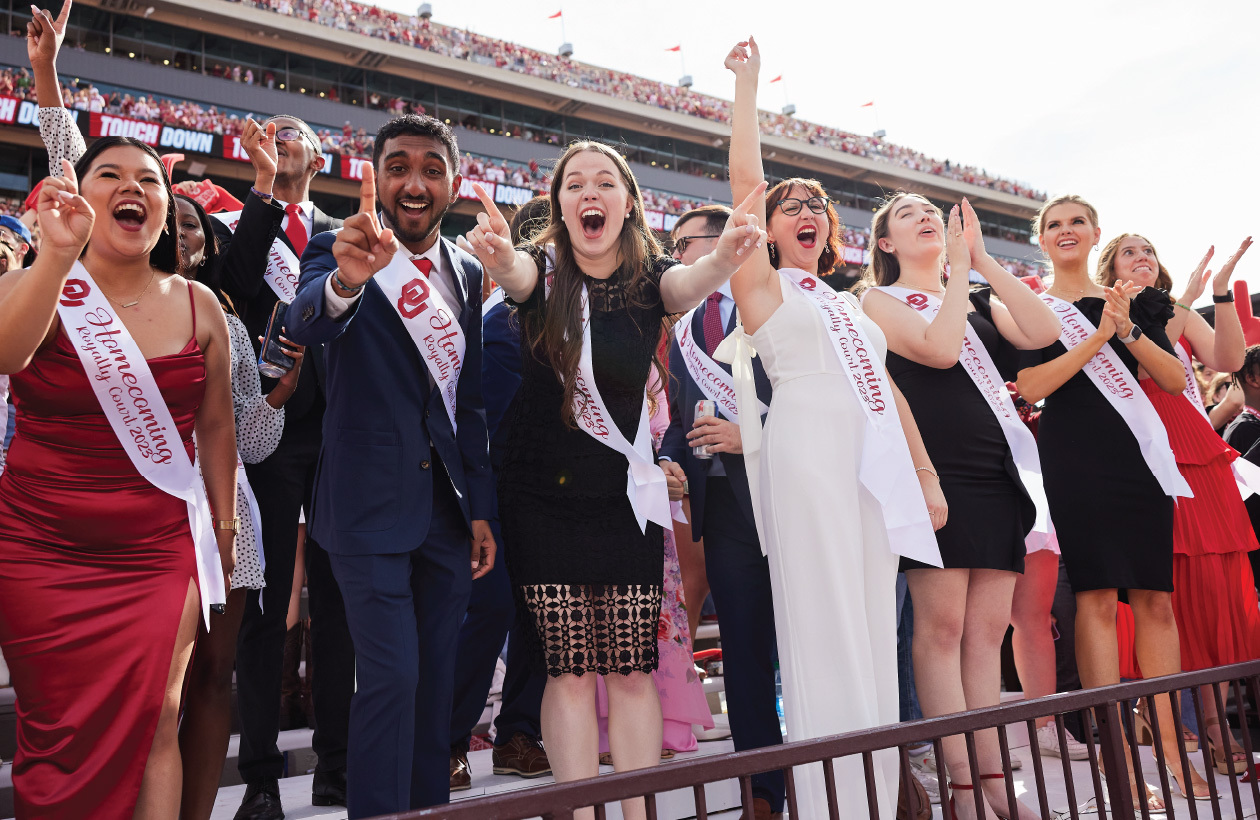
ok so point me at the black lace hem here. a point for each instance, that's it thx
(600, 628)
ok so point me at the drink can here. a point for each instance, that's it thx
(704, 408)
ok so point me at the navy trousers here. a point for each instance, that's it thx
(491, 617)
(739, 580)
(404, 611)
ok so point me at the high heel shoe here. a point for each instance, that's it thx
(971, 787)
(1225, 762)
(1181, 789)
(1154, 803)
(1146, 735)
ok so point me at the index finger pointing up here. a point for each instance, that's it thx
(367, 191)
(497, 223)
(751, 199)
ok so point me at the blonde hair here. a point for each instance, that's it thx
(1106, 275)
(1039, 220)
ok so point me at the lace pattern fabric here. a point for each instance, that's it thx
(601, 628)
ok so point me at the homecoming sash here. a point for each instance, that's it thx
(709, 376)
(432, 325)
(282, 265)
(979, 365)
(130, 399)
(1120, 388)
(1246, 474)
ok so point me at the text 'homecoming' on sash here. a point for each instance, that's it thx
(282, 264)
(1246, 474)
(434, 328)
(886, 469)
(137, 412)
(979, 365)
(709, 376)
(1121, 390)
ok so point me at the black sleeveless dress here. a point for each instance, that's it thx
(990, 512)
(589, 578)
(1113, 520)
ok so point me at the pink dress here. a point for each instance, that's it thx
(682, 694)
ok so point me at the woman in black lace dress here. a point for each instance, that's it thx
(587, 559)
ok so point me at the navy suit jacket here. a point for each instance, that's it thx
(374, 483)
(500, 376)
(683, 395)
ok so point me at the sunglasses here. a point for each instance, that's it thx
(792, 207)
(681, 243)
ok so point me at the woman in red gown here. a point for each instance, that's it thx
(98, 588)
(1214, 593)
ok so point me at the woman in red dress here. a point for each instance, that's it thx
(99, 595)
(1214, 593)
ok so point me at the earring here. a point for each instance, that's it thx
(561, 217)
(772, 250)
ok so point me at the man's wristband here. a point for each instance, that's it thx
(337, 281)
(260, 194)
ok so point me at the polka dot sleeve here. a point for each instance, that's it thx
(61, 137)
(258, 424)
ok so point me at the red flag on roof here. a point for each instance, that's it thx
(557, 14)
(675, 48)
(867, 105)
(776, 79)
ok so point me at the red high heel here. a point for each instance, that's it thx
(968, 787)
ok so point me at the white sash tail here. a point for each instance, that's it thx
(979, 365)
(1121, 390)
(432, 324)
(137, 412)
(282, 264)
(714, 382)
(1246, 474)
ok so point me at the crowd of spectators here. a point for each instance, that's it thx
(361, 18)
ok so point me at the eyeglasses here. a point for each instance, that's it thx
(289, 134)
(680, 244)
(792, 207)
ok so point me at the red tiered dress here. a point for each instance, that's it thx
(1214, 592)
(95, 564)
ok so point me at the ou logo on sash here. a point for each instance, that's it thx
(73, 293)
(414, 296)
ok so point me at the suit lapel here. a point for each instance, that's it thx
(461, 276)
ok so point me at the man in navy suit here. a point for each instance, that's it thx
(404, 491)
(722, 514)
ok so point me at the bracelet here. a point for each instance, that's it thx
(259, 193)
(337, 281)
(927, 470)
(1228, 297)
(1187, 307)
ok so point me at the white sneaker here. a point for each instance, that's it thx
(1048, 740)
(924, 767)
(1016, 761)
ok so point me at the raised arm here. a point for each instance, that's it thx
(28, 299)
(755, 285)
(1221, 349)
(491, 242)
(685, 286)
(57, 129)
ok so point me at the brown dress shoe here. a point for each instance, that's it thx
(761, 811)
(461, 775)
(521, 755)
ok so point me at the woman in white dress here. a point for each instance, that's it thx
(836, 478)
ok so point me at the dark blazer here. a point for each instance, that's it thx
(374, 483)
(683, 395)
(242, 262)
(500, 375)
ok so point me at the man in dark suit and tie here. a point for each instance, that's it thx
(404, 491)
(722, 514)
(277, 220)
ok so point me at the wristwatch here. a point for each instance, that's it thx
(1135, 333)
(233, 524)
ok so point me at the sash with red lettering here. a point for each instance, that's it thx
(709, 376)
(1246, 474)
(130, 399)
(282, 264)
(1121, 390)
(432, 325)
(979, 365)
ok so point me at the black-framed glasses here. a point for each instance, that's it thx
(792, 206)
(289, 134)
(681, 243)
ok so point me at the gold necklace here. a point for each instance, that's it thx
(925, 290)
(136, 301)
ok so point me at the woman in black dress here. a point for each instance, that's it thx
(586, 560)
(964, 608)
(1113, 518)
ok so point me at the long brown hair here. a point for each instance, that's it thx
(831, 251)
(884, 269)
(1107, 263)
(555, 334)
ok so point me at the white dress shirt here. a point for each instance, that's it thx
(308, 216)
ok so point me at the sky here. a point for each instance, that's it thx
(1150, 110)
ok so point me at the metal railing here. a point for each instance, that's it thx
(1107, 707)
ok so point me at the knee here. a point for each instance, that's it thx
(211, 674)
(938, 628)
(1096, 607)
(1153, 609)
(633, 685)
(571, 687)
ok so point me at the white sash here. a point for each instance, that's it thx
(979, 365)
(282, 265)
(432, 325)
(886, 469)
(130, 399)
(1120, 388)
(709, 376)
(255, 517)
(1246, 474)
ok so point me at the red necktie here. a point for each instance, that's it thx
(714, 332)
(424, 266)
(296, 229)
